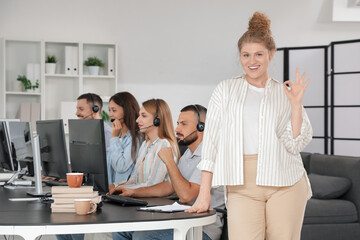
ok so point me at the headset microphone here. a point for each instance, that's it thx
(112, 120)
(144, 128)
(181, 142)
(87, 116)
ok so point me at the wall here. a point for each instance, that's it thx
(176, 50)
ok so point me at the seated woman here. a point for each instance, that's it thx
(124, 144)
(125, 141)
(156, 123)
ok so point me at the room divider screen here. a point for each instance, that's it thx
(332, 99)
(345, 98)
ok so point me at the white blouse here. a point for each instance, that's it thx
(251, 112)
(279, 160)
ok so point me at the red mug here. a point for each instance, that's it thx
(74, 180)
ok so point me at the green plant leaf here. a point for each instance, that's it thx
(105, 116)
(94, 61)
(51, 59)
(27, 83)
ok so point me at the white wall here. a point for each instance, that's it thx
(176, 50)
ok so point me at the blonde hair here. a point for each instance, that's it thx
(258, 32)
(166, 127)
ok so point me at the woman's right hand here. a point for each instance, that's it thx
(116, 128)
(202, 204)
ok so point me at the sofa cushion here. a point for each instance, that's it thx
(328, 187)
(320, 211)
(306, 160)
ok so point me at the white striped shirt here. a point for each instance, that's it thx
(279, 160)
(149, 168)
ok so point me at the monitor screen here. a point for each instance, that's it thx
(88, 151)
(53, 152)
(21, 142)
(5, 157)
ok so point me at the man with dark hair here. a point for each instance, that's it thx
(86, 104)
(185, 178)
(89, 106)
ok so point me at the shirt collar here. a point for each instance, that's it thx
(127, 134)
(270, 79)
(196, 153)
(153, 143)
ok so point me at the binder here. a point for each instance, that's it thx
(34, 114)
(67, 111)
(111, 61)
(75, 61)
(68, 60)
(36, 75)
(24, 112)
(30, 72)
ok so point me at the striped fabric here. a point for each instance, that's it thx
(149, 168)
(279, 162)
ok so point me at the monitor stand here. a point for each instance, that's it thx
(37, 169)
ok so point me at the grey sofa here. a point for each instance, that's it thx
(338, 218)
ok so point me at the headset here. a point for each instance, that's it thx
(200, 125)
(95, 108)
(156, 121)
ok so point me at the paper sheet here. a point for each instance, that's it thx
(175, 207)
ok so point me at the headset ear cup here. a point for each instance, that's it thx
(200, 126)
(156, 122)
(95, 109)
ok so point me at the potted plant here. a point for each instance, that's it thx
(28, 84)
(94, 64)
(50, 64)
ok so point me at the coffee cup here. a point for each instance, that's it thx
(84, 206)
(74, 180)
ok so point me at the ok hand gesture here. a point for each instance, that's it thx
(296, 91)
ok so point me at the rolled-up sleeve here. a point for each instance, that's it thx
(296, 145)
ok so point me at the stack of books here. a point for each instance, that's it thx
(64, 197)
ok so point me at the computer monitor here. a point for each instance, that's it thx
(5, 156)
(20, 137)
(88, 151)
(53, 152)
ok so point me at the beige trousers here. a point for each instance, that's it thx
(259, 212)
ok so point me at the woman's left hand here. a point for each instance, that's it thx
(296, 92)
(116, 128)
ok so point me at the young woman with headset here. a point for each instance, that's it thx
(156, 123)
(125, 141)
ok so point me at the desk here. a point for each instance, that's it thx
(32, 219)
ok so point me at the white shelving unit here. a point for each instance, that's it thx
(54, 88)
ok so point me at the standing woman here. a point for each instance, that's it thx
(125, 141)
(256, 128)
(156, 123)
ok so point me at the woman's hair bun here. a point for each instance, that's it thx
(258, 32)
(259, 23)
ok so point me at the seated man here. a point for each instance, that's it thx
(185, 178)
(89, 106)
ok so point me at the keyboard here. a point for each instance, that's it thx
(54, 183)
(125, 201)
(5, 176)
